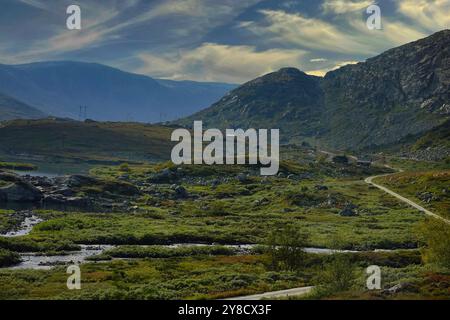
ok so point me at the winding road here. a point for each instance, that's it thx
(276, 294)
(369, 180)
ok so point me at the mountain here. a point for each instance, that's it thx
(288, 98)
(13, 109)
(60, 88)
(404, 91)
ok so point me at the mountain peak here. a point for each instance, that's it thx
(403, 91)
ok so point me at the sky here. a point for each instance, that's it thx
(230, 41)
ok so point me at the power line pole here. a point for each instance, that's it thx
(82, 115)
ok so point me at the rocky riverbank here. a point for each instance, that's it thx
(78, 191)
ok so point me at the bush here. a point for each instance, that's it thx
(285, 249)
(165, 252)
(217, 209)
(125, 167)
(8, 258)
(338, 275)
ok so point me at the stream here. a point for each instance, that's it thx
(31, 260)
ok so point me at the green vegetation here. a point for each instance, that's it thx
(168, 205)
(86, 141)
(286, 249)
(163, 252)
(338, 276)
(428, 188)
(17, 166)
(437, 238)
(8, 258)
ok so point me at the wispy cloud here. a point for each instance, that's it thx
(296, 29)
(345, 6)
(215, 62)
(429, 14)
(219, 40)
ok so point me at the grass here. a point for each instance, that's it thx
(172, 278)
(17, 166)
(235, 212)
(228, 211)
(414, 185)
(85, 141)
(201, 276)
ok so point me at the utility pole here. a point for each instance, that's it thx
(82, 115)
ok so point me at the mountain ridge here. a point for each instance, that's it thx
(59, 88)
(403, 91)
(11, 108)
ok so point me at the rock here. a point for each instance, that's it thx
(67, 192)
(70, 201)
(181, 192)
(164, 176)
(259, 202)
(80, 180)
(397, 288)
(124, 177)
(20, 191)
(10, 177)
(215, 183)
(242, 178)
(347, 212)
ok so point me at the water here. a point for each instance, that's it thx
(40, 262)
(51, 169)
(37, 174)
(25, 227)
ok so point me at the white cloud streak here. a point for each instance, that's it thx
(215, 62)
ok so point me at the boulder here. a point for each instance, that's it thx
(20, 191)
(242, 178)
(79, 180)
(181, 192)
(348, 212)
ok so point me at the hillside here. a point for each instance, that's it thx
(289, 99)
(60, 88)
(13, 109)
(85, 140)
(404, 91)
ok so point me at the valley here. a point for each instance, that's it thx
(224, 217)
(363, 179)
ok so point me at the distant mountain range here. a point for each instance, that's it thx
(11, 108)
(60, 88)
(402, 92)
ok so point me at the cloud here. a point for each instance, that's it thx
(35, 4)
(216, 62)
(323, 72)
(318, 60)
(296, 29)
(432, 15)
(344, 6)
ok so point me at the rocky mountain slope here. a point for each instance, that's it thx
(404, 91)
(60, 88)
(288, 98)
(13, 109)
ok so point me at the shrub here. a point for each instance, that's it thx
(285, 249)
(338, 275)
(8, 258)
(125, 167)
